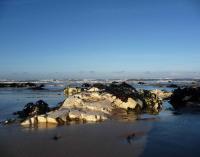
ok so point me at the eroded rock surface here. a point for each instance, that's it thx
(96, 103)
(163, 95)
(72, 90)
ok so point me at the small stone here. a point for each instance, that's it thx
(56, 137)
(8, 121)
(129, 138)
(72, 91)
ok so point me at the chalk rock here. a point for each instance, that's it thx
(98, 103)
(162, 94)
(89, 116)
(72, 91)
(93, 89)
(130, 104)
(151, 103)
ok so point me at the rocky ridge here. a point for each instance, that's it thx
(96, 103)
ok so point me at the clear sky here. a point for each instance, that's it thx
(100, 37)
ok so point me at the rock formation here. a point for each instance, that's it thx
(186, 97)
(21, 85)
(97, 102)
(163, 95)
(31, 109)
(72, 91)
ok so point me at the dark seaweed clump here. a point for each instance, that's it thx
(181, 97)
(31, 109)
(28, 85)
(123, 91)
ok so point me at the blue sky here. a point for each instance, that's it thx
(88, 38)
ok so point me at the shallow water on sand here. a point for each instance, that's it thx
(163, 135)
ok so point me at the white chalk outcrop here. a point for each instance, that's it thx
(93, 104)
(86, 106)
(72, 91)
(162, 94)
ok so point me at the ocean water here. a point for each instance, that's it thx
(166, 134)
(14, 99)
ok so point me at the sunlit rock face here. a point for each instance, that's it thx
(163, 95)
(72, 91)
(96, 104)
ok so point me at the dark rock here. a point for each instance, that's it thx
(115, 82)
(20, 85)
(86, 85)
(30, 85)
(123, 91)
(141, 83)
(56, 137)
(129, 138)
(8, 121)
(40, 87)
(172, 86)
(100, 86)
(186, 97)
(31, 109)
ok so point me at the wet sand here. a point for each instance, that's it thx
(163, 135)
(92, 140)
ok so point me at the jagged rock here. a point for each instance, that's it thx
(122, 91)
(130, 104)
(72, 91)
(186, 97)
(97, 105)
(31, 109)
(89, 101)
(163, 95)
(93, 89)
(152, 104)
